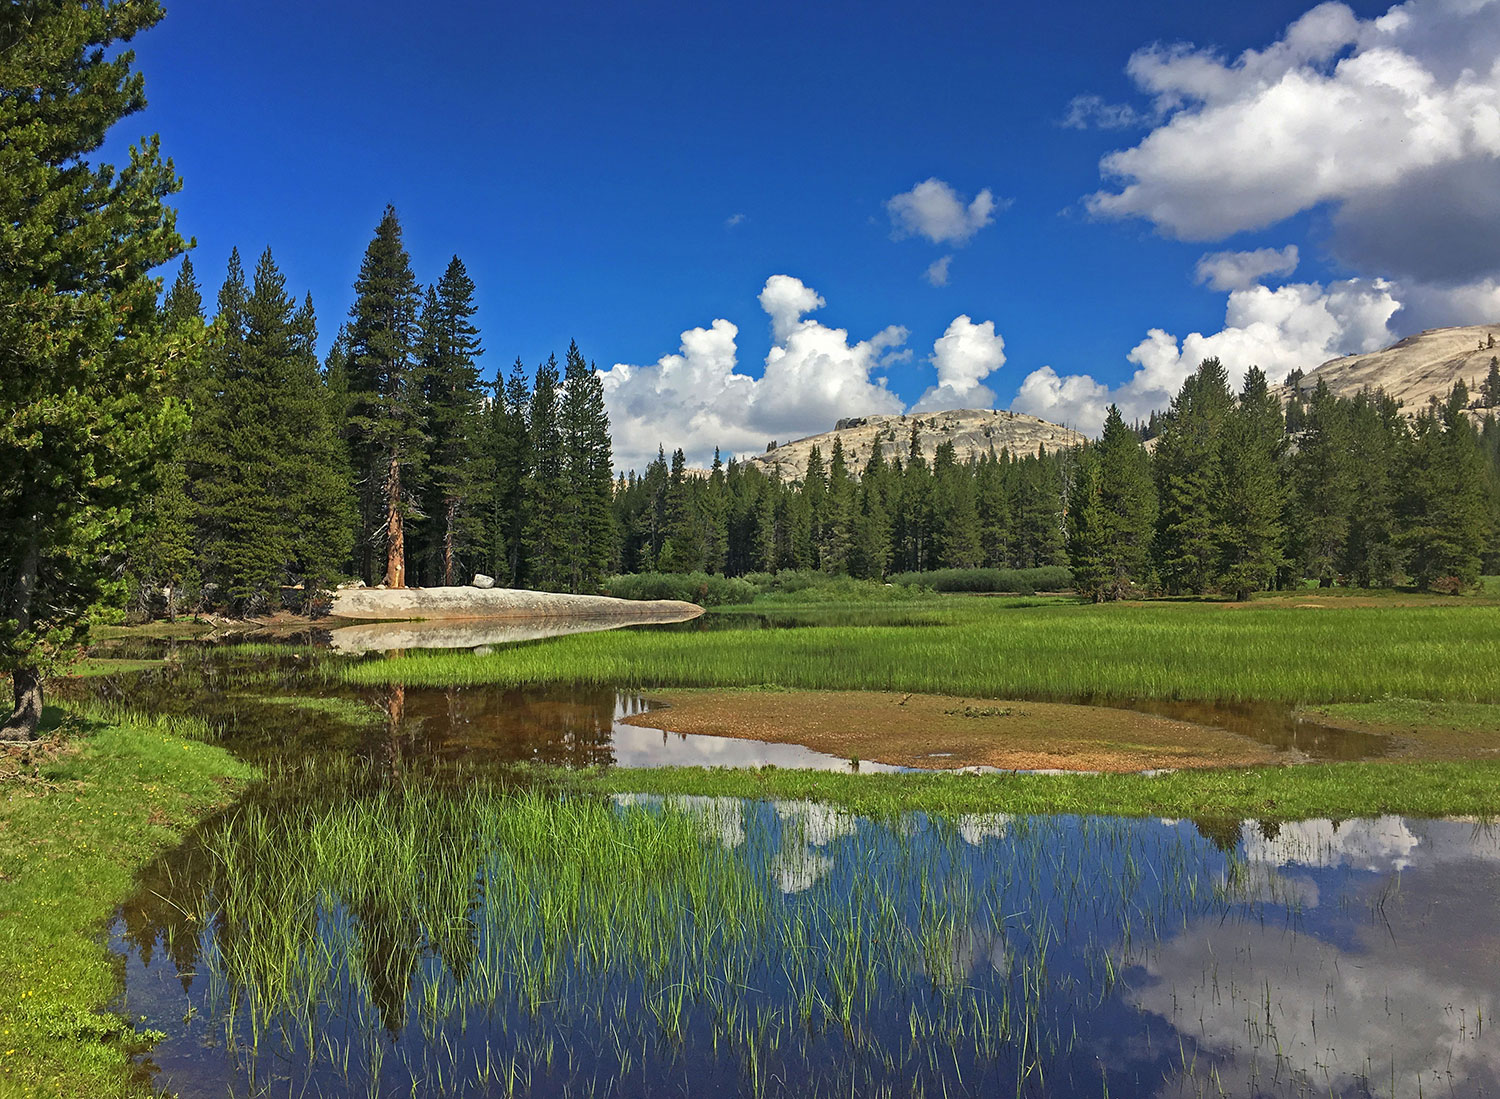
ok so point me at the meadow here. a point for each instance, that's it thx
(1016, 648)
(95, 803)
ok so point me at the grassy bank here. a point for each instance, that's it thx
(1267, 652)
(1337, 790)
(75, 823)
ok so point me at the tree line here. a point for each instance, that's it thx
(391, 461)
(394, 463)
(1224, 497)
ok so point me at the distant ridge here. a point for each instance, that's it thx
(972, 431)
(1414, 370)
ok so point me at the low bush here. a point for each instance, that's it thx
(803, 586)
(692, 587)
(1017, 581)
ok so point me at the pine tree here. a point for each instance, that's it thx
(1127, 498)
(1489, 391)
(321, 506)
(765, 538)
(213, 476)
(163, 554)
(684, 548)
(651, 530)
(1189, 482)
(1089, 556)
(1378, 439)
(815, 491)
(588, 474)
(957, 539)
(914, 517)
(84, 359)
(871, 549)
(1253, 498)
(838, 521)
(508, 456)
(268, 477)
(387, 410)
(457, 466)
(1448, 515)
(992, 503)
(1323, 486)
(1038, 507)
(716, 518)
(545, 492)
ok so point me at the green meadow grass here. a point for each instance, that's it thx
(1413, 713)
(1200, 651)
(1337, 790)
(72, 834)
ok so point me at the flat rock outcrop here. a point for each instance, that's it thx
(413, 604)
(972, 431)
(477, 633)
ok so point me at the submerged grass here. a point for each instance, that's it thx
(74, 827)
(1154, 651)
(606, 940)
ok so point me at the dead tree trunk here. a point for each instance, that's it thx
(449, 518)
(395, 530)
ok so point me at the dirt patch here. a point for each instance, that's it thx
(937, 731)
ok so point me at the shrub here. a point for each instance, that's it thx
(1018, 581)
(812, 586)
(691, 587)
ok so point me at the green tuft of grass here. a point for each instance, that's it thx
(92, 666)
(1416, 713)
(1337, 790)
(73, 831)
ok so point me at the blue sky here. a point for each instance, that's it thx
(622, 174)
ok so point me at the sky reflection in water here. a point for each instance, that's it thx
(1049, 956)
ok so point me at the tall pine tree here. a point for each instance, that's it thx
(1189, 482)
(1253, 497)
(545, 491)
(588, 473)
(387, 411)
(84, 359)
(1127, 499)
(457, 468)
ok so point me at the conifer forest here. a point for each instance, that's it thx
(397, 461)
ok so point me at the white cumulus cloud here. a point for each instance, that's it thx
(813, 375)
(937, 271)
(934, 210)
(1393, 123)
(1238, 270)
(964, 356)
(697, 398)
(1279, 330)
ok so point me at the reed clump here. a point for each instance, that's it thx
(627, 942)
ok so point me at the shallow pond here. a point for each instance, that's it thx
(340, 937)
(384, 916)
(272, 698)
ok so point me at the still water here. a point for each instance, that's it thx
(363, 924)
(399, 944)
